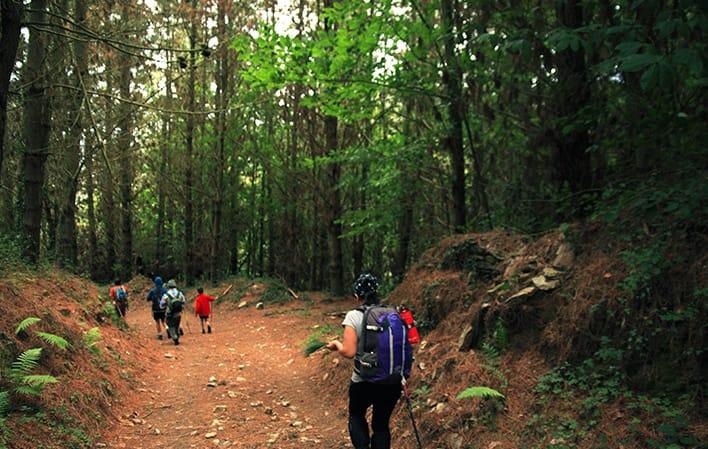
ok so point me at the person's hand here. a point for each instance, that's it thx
(334, 345)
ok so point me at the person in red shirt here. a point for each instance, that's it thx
(119, 295)
(202, 308)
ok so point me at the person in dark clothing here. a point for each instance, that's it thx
(174, 301)
(383, 397)
(158, 308)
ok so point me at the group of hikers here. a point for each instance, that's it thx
(168, 303)
(377, 336)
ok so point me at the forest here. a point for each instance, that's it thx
(306, 141)
(310, 140)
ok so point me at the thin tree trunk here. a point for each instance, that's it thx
(125, 141)
(452, 79)
(91, 215)
(66, 226)
(188, 176)
(573, 164)
(221, 90)
(36, 133)
(10, 18)
(334, 208)
(162, 179)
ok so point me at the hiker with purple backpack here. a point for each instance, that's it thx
(375, 337)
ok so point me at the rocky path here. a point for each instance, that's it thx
(246, 385)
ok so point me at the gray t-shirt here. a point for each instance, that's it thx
(355, 320)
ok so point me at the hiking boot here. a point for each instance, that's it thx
(176, 340)
(203, 331)
(209, 328)
(159, 336)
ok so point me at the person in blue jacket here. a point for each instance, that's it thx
(158, 307)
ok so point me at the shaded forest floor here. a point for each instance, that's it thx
(499, 310)
(246, 385)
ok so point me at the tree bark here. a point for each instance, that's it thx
(573, 163)
(221, 97)
(452, 79)
(188, 175)
(125, 141)
(67, 251)
(334, 208)
(162, 178)
(36, 134)
(91, 215)
(10, 18)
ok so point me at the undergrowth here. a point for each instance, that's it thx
(573, 400)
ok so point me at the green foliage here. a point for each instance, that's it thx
(587, 388)
(26, 362)
(10, 254)
(496, 343)
(54, 340)
(4, 405)
(316, 341)
(479, 392)
(91, 339)
(21, 376)
(26, 323)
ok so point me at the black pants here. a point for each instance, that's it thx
(173, 325)
(383, 398)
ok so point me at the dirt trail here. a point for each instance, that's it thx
(266, 394)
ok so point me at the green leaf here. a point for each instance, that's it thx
(54, 340)
(27, 322)
(635, 63)
(479, 392)
(25, 363)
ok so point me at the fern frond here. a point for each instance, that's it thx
(27, 322)
(479, 392)
(25, 363)
(4, 404)
(39, 380)
(28, 390)
(54, 340)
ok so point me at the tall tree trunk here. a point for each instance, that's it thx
(125, 141)
(162, 178)
(66, 226)
(36, 133)
(452, 79)
(188, 176)
(91, 215)
(10, 17)
(334, 208)
(573, 163)
(221, 101)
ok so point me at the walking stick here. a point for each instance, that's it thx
(410, 411)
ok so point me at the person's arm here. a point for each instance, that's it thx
(211, 298)
(347, 347)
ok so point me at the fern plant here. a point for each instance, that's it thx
(21, 373)
(91, 339)
(26, 323)
(54, 340)
(479, 392)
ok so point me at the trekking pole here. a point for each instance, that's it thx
(186, 321)
(410, 411)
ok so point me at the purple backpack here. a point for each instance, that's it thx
(383, 353)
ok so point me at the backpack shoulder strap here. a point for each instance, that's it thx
(362, 340)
